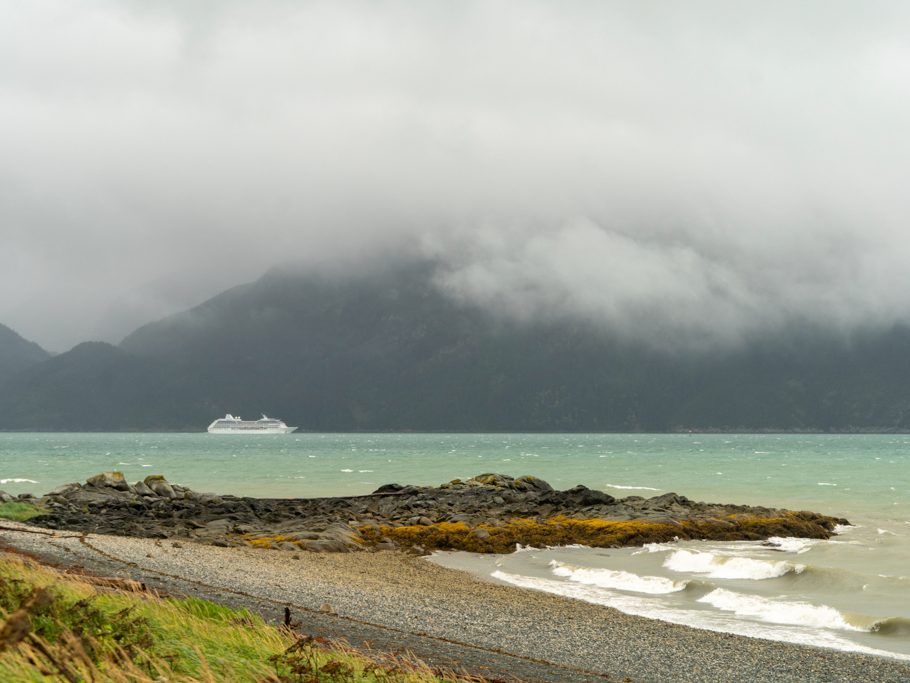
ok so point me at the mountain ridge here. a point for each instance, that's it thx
(386, 350)
(17, 353)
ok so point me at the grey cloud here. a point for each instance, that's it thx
(710, 171)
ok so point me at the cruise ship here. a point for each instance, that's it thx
(236, 425)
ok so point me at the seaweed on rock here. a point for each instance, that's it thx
(601, 533)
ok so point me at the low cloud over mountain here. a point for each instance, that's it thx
(692, 177)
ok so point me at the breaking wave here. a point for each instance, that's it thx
(631, 488)
(786, 628)
(781, 611)
(724, 567)
(618, 580)
(790, 544)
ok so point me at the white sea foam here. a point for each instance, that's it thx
(826, 483)
(17, 480)
(519, 548)
(778, 611)
(885, 532)
(619, 580)
(657, 547)
(631, 488)
(651, 607)
(346, 470)
(791, 545)
(843, 528)
(724, 567)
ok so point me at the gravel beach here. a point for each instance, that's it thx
(396, 601)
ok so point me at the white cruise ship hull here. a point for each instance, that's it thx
(236, 425)
(240, 430)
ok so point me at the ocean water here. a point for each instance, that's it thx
(851, 592)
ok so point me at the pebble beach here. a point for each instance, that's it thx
(393, 600)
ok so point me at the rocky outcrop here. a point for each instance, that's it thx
(483, 508)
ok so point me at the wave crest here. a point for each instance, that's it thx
(617, 580)
(791, 545)
(723, 567)
(779, 611)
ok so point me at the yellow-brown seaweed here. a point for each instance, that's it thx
(599, 533)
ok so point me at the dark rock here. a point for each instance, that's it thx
(667, 500)
(113, 480)
(496, 481)
(580, 496)
(64, 489)
(532, 483)
(160, 486)
(155, 508)
(389, 488)
(142, 489)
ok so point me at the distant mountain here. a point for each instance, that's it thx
(92, 387)
(385, 350)
(17, 354)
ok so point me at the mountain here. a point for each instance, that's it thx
(17, 354)
(385, 350)
(94, 386)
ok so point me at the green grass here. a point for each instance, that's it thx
(56, 627)
(19, 511)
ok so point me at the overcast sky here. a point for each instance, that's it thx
(708, 171)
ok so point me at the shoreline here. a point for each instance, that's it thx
(445, 616)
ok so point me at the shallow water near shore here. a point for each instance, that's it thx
(848, 593)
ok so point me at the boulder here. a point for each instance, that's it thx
(532, 483)
(222, 525)
(160, 486)
(6, 498)
(580, 496)
(142, 489)
(64, 490)
(340, 534)
(667, 500)
(111, 480)
(496, 481)
(389, 488)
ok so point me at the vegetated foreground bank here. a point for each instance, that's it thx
(85, 628)
(488, 513)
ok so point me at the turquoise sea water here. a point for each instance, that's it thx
(851, 593)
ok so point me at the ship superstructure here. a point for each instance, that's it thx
(230, 424)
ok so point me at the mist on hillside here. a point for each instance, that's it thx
(686, 176)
